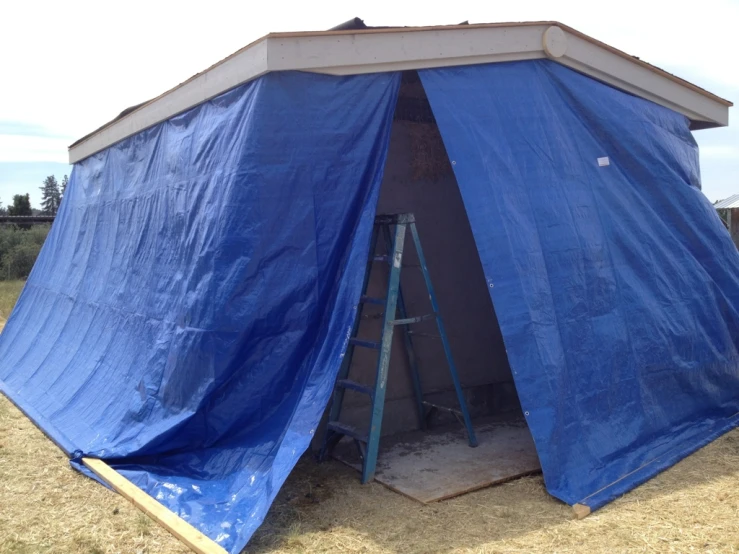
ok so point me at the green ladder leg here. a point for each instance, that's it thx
(410, 352)
(383, 362)
(471, 437)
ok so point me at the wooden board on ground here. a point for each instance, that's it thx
(190, 536)
(439, 464)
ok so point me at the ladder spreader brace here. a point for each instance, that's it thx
(368, 442)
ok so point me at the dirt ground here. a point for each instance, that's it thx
(694, 507)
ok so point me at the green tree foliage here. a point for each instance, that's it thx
(19, 249)
(3, 210)
(51, 196)
(65, 182)
(21, 205)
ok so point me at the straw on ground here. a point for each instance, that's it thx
(47, 507)
(694, 507)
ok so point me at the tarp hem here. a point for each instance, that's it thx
(649, 470)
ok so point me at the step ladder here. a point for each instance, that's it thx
(368, 441)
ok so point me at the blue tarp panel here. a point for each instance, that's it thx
(189, 310)
(615, 285)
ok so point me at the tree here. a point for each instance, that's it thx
(21, 205)
(51, 196)
(3, 211)
(65, 182)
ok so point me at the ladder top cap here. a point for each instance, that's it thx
(394, 219)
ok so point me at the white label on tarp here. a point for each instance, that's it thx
(604, 161)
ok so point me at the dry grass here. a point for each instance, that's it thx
(693, 507)
(46, 507)
(9, 291)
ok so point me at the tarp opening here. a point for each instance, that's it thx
(436, 463)
(419, 179)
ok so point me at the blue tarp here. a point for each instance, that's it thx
(189, 310)
(188, 313)
(615, 284)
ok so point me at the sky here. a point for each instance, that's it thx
(68, 67)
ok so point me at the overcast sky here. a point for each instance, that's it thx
(68, 67)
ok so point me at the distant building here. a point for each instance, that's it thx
(728, 209)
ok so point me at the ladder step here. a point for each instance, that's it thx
(425, 335)
(394, 219)
(370, 300)
(353, 385)
(348, 430)
(365, 343)
(381, 315)
(443, 408)
(409, 320)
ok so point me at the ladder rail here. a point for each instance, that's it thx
(410, 351)
(383, 361)
(472, 438)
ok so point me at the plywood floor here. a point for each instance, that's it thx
(435, 465)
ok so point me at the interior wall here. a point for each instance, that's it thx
(419, 178)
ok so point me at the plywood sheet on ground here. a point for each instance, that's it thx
(439, 464)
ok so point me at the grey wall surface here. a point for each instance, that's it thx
(419, 179)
